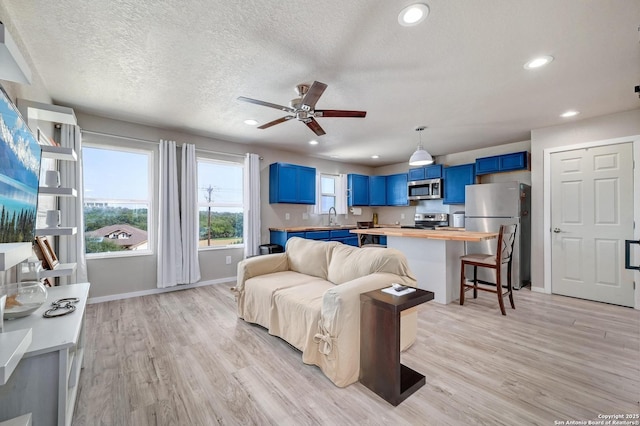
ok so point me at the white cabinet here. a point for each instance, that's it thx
(45, 381)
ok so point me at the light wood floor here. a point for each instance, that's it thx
(183, 358)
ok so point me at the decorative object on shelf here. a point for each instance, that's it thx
(421, 157)
(19, 175)
(45, 253)
(22, 298)
(52, 178)
(61, 307)
(53, 218)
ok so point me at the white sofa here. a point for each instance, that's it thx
(310, 297)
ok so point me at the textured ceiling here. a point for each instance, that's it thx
(181, 64)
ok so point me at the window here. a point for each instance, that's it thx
(117, 200)
(220, 186)
(328, 187)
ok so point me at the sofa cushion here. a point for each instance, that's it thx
(258, 293)
(348, 263)
(309, 257)
(295, 313)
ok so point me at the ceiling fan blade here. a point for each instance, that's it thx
(278, 121)
(267, 104)
(315, 126)
(340, 113)
(313, 94)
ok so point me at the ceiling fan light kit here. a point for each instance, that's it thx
(303, 107)
(421, 157)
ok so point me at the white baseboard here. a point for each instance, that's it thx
(538, 289)
(120, 296)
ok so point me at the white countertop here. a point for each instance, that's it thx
(53, 334)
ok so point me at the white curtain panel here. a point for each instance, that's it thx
(189, 217)
(72, 249)
(169, 238)
(251, 202)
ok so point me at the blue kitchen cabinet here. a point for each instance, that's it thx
(455, 180)
(433, 171)
(358, 190)
(281, 237)
(417, 174)
(377, 190)
(397, 194)
(502, 163)
(293, 184)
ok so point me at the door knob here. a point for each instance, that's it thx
(557, 230)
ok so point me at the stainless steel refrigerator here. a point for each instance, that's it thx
(489, 205)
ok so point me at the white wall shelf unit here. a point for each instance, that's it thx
(33, 111)
(45, 382)
(57, 232)
(59, 153)
(13, 253)
(62, 270)
(24, 420)
(57, 192)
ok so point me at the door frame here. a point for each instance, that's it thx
(635, 140)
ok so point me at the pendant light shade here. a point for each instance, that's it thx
(421, 157)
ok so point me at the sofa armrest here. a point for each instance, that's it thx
(339, 327)
(259, 265)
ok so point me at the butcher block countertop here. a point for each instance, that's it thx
(324, 228)
(437, 234)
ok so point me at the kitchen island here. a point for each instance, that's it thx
(433, 256)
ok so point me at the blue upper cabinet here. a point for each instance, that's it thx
(358, 190)
(290, 183)
(455, 179)
(397, 190)
(502, 163)
(377, 190)
(433, 171)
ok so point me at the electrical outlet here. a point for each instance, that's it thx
(228, 260)
(287, 216)
(401, 215)
(305, 216)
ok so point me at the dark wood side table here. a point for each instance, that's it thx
(380, 367)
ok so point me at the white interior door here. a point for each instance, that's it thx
(591, 216)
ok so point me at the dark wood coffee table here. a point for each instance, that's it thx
(380, 367)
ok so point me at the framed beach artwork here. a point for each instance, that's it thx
(20, 156)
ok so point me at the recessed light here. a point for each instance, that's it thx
(413, 14)
(570, 113)
(375, 157)
(250, 122)
(538, 62)
(313, 142)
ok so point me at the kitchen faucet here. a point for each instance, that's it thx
(335, 215)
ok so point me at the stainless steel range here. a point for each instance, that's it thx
(429, 220)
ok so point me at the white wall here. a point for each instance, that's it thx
(588, 130)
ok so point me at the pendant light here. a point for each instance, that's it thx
(420, 157)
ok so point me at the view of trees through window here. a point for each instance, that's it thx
(220, 202)
(116, 199)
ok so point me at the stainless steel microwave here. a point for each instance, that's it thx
(430, 189)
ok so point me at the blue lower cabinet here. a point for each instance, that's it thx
(281, 237)
(316, 235)
(340, 233)
(383, 240)
(350, 241)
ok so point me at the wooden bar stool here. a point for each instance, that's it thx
(504, 254)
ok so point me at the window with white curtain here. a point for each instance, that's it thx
(117, 200)
(220, 186)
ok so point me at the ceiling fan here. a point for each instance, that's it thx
(303, 107)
